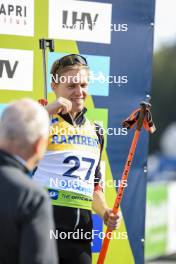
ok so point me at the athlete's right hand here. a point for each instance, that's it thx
(60, 105)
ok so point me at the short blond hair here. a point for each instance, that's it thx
(57, 71)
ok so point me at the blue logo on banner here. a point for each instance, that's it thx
(2, 107)
(53, 194)
(97, 228)
(99, 72)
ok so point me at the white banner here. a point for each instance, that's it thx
(171, 241)
(17, 17)
(80, 20)
(16, 69)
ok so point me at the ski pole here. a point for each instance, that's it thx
(140, 117)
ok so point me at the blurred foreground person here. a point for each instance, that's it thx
(24, 207)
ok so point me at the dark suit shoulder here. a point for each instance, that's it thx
(26, 220)
(24, 196)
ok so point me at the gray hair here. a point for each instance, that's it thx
(24, 121)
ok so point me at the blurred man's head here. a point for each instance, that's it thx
(70, 77)
(24, 127)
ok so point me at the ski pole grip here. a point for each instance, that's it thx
(142, 113)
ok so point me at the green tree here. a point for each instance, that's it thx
(163, 92)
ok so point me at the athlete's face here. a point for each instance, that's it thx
(73, 86)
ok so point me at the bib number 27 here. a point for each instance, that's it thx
(77, 163)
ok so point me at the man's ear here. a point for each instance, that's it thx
(53, 85)
(40, 146)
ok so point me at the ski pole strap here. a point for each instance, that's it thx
(132, 120)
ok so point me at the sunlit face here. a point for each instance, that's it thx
(73, 86)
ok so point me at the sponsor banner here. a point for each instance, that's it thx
(98, 79)
(160, 220)
(99, 84)
(16, 70)
(99, 116)
(17, 17)
(70, 199)
(156, 220)
(80, 20)
(98, 227)
(171, 240)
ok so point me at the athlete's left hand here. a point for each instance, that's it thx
(112, 220)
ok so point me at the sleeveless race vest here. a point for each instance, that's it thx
(67, 170)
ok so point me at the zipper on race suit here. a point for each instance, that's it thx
(74, 120)
(77, 218)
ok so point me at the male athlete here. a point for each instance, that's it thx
(70, 169)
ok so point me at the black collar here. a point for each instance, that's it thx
(79, 119)
(6, 159)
